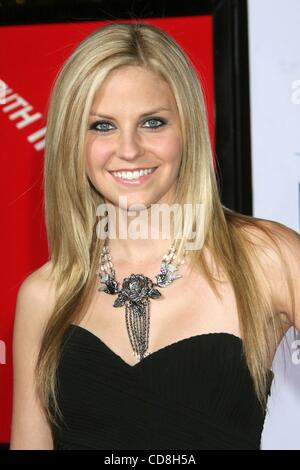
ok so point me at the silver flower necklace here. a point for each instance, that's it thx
(135, 293)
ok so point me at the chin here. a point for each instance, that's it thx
(134, 206)
(132, 203)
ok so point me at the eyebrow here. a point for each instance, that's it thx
(142, 115)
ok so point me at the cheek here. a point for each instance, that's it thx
(173, 151)
(169, 148)
(96, 155)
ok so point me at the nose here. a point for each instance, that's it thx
(129, 146)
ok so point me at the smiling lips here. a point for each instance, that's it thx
(130, 178)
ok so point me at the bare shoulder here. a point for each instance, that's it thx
(40, 279)
(277, 244)
(37, 294)
(278, 248)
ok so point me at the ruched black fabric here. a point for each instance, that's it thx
(195, 394)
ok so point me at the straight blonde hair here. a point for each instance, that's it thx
(71, 200)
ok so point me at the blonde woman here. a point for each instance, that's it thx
(93, 369)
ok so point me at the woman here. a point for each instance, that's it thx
(92, 370)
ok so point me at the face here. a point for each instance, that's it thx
(134, 141)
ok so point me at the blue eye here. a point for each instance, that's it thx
(101, 123)
(105, 125)
(162, 123)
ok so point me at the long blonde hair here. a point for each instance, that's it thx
(71, 201)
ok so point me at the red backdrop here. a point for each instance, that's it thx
(30, 59)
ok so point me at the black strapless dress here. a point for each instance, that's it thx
(194, 394)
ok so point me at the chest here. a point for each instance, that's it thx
(187, 307)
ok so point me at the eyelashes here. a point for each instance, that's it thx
(102, 130)
(162, 122)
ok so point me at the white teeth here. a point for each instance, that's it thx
(130, 175)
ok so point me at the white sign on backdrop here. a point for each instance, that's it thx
(274, 60)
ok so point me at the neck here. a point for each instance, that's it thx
(137, 239)
(138, 252)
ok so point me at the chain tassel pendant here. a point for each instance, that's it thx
(138, 328)
(136, 291)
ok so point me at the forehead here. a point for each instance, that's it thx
(134, 86)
